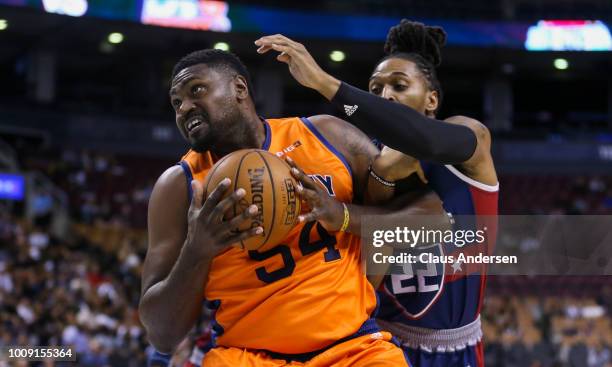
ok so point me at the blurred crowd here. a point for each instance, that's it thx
(556, 194)
(100, 187)
(72, 292)
(546, 332)
(83, 289)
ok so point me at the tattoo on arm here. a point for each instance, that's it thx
(363, 153)
(356, 147)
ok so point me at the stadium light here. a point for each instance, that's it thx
(3, 24)
(115, 38)
(221, 46)
(73, 8)
(561, 64)
(337, 56)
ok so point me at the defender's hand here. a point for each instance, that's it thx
(206, 228)
(324, 209)
(302, 65)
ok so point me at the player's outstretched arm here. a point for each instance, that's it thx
(183, 239)
(398, 126)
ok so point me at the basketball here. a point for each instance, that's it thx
(268, 184)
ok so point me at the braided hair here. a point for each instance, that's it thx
(421, 44)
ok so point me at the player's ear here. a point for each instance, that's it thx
(241, 87)
(431, 102)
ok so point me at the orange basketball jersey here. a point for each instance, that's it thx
(307, 291)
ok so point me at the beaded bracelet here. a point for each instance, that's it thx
(380, 179)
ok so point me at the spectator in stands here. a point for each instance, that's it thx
(597, 354)
(540, 352)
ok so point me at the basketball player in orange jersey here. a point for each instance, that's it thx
(305, 301)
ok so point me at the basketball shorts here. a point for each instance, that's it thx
(470, 356)
(371, 350)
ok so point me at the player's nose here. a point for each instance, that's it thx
(186, 106)
(387, 93)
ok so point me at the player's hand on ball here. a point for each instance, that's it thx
(324, 208)
(205, 223)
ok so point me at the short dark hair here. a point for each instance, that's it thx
(420, 44)
(215, 59)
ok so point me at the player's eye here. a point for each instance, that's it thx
(375, 89)
(197, 89)
(400, 87)
(176, 103)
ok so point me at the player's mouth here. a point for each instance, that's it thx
(194, 123)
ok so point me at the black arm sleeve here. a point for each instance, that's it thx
(404, 129)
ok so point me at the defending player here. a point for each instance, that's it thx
(437, 319)
(291, 303)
